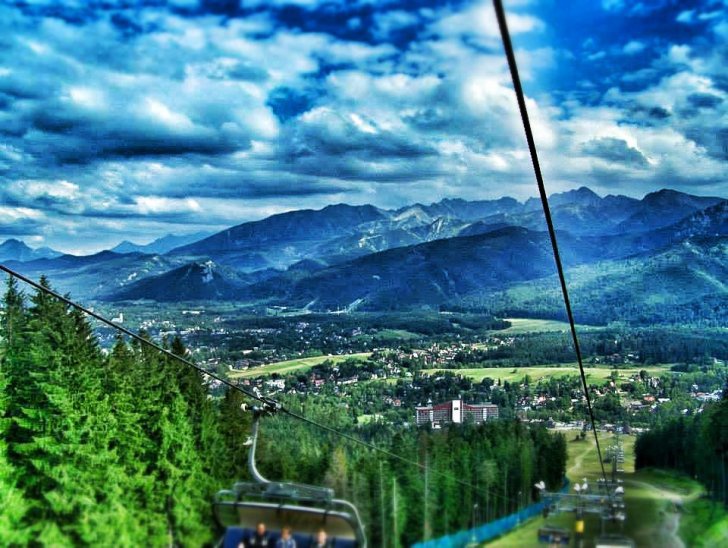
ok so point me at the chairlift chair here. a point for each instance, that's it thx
(304, 508)
(553, 536)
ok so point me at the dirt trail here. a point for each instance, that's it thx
(666, 531)
(672, 496)
(579, 459)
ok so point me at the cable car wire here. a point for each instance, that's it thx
(269, 402)
(508, 47)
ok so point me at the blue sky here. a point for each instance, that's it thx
(130, 120)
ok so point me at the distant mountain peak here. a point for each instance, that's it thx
(348, 207)
(13, 249)
(200, 280)
(582, 196)
(663, 195)
(668, 197)
(413, 212)
(126, 247)
(14, 243)
(161, 245)
(665, 192)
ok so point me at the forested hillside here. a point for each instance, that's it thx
(127, 447)
(104, 450)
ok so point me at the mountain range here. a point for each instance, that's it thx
(453, 252)
(15, 250)
(160, 245)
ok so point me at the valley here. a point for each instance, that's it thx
(386, 364)
(359, 315)
(363, 274)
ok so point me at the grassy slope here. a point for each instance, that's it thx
(289, 366)
(660, 505)
(510, 374)
(582, 463)
(390, 335)
(520, 326)
(704, 523)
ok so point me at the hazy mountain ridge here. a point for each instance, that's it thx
(422, 275)
(90, 277)
(194, 281)
(161, 245)
(15, 250)
(281, 240)
(450, 270)
(685, 282)
(663, 208)
(340, 232)
(364, 257)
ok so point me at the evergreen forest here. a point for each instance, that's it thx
(696, 445)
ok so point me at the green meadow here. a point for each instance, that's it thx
(290, 366)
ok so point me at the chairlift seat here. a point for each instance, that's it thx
(234, 535)
(553, 535)
(304, 508)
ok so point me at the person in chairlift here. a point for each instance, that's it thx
(260, 538)
(286, 540)
(322, 540)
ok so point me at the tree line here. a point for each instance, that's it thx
(469, 473)
(127, 446)
(696, 445)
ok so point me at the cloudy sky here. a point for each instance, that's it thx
(130, 119)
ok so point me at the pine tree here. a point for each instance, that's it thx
(132, 443)
(177, 491)
(13, 508)
(61, 428)
(33, 414)
(203, 414)
(235, 427)
(337, 476)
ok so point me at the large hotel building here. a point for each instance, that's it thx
(455, 411)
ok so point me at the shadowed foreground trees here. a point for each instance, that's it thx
(695, 445)
(100, 449)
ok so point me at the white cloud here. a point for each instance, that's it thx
(55, 191)
(156, 205)
(10, 215)
(161, 112)
(394, 20)
(479, 23)
(177, 125)
(686, 16)
(679, 54)
(87, 97)
(633, 47)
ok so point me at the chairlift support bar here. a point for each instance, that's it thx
(267, 495)
(263, 486)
